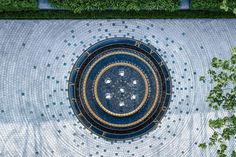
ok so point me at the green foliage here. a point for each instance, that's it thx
(224, 5)
(228, 5)
(202, 78)
(213, 4)
(202, 145)
(78, 6)
(114, 14)
(233, 154)
(221, 151)
(17, 5)
(206, 4)
(223, 96)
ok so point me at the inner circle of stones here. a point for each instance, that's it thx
(104, 121)
(140, 73)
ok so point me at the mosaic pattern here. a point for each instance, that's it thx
(120, 88)
(36, 58)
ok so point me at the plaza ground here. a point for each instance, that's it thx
(36, 57)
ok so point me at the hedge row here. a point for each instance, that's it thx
(18, 5)
(210, 4)
(122, 5)
(63, 14)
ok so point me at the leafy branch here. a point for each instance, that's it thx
(222, 96)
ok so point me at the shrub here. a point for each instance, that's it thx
(123, 5)
(66, 14)
(210, 4)
(18, 5)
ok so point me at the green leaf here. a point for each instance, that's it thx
(225, 65)
(223, 147)
(234, 11)
(214, 62)
(202, 78)
(233, 154)
(222, 96)
(202, 145)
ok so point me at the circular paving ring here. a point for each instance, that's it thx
(120, 88)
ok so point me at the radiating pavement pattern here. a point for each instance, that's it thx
(36, 58)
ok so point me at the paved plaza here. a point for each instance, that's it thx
(36, 60)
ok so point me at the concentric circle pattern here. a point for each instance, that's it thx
(120, 88)
(37, 58)
(124, 87)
